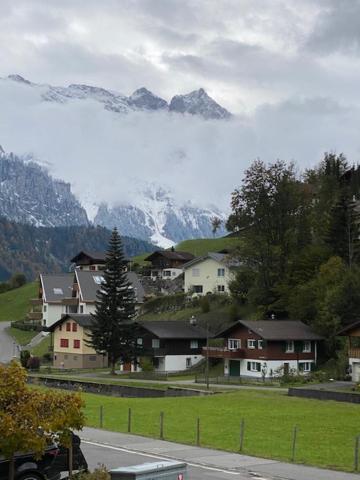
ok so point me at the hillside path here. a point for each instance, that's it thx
(8, 347)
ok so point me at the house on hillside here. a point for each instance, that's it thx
(72, 293)
(266, 348)
(167, 264)
(69, 335)
(210, 273)
(92, 261)
(172, 345)
(353, 333)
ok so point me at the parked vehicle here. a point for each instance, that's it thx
(49, 467)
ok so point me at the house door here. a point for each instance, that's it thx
(286, 369)
(234, 368)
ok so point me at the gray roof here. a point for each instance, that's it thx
(276, 329)
(90, 282)
(174, 329)
(82, 319)
(56, 287)
(223, 258)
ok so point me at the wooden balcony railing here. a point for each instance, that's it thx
(354, 352)
(36, 301)
(34, 315)
(221, 352)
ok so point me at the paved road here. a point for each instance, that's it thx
(118, 449)
(8, 348)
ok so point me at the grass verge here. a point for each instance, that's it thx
(22, 337)
(14, 304)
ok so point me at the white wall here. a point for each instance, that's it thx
(208, 277)
(53, 313)
(273, 365)
(174, 363)
(355, 369)
(175, 272)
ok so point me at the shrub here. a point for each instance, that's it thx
(33, 363)
(24, 358)
(146, 364)
(99, 473)
(204, 304)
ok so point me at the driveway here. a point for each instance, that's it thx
(8, 347)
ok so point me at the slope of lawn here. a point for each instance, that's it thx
(326, 429)
(14, 304)
(22, 337)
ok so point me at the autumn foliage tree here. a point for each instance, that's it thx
(30, 419)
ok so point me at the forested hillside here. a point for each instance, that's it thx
(29, 249)
(300, 243)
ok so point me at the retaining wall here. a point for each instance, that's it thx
(324, 395)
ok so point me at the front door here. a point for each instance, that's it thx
(286, 369)
(234, 368)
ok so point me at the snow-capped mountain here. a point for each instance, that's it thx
(28, 194)
(197, 102)
(158, 218)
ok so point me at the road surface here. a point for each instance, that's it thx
(8, 348)
(118, 450)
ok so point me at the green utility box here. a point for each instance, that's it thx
(164, 470)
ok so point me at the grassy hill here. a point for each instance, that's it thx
(14, 304)
(199, 246)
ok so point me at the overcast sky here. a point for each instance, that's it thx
(288, 69)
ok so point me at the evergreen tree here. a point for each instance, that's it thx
(113, 331)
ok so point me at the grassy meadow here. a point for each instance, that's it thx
(14, 304)
(326, 430)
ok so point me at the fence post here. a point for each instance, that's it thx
(294, 444)
(242, 431)
(101, 416)
(161, 425)
(356, 453)
(129, 420)
(198, 432)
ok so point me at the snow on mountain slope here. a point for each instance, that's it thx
(198, 102)
(158, 218)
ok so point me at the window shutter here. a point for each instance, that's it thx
(249, 366)
(284, 346)
(258, 367)
(265, 343)
(312, 366)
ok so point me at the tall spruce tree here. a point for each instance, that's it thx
(113, 331)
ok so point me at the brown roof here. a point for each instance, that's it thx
(348, 328)
(275, 329)
(181, 329)
(171, 255)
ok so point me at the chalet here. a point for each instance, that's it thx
(92, 261)
(172, 345)
(167, 264)
(266, 348)
(69, 335)
(71, 293)
(210, 273)
(353, 333)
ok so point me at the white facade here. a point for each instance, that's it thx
(354, 364)
(272, 368)
(51, 312)
(171, 273)
(174, 363)
(207, 276)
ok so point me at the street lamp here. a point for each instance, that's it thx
(193, 321)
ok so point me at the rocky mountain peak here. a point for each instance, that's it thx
(198, 102)
(18, 78)
(144, 99)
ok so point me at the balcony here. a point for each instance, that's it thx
(70, 301)
(218, 352)
(35, 316)
(354, 352)
(36, 301)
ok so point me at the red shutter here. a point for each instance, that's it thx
(68, 327)
(74, 327)
(64, 342)
(76, 343)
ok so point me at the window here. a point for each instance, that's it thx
(139, 341)
(234, 344)
(92, 267)
(60, 328)
(81, 308)
(58, 291)
(194, 344)
(155, 343)
(68, 327)
(305, 366)
(260, 344)
(98, 279)
(251, 343)
(198, 288)
(92, 358)
(307, 347)
(290, 346)
(195, 272)
(254, 366)
(76, 343)
(166, 273)
(74, 327)
(221, 288)
(44, 308)
(188, 362)
(75, 357)
(221, 272)
(64, 342)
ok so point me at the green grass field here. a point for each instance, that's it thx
(326, 430)
(14, 304)
(22, 337)
(42, 348)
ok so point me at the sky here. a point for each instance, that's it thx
(288, 70)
